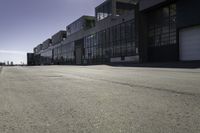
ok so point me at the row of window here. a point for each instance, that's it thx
(64, 52)
(104, 10)
(162, 26)
(74, 27)
(119, 40)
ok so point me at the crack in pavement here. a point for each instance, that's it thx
(153, 88)
(143, 86)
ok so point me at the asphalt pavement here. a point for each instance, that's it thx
(99, 99)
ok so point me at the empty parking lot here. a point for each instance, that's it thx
(99, 99)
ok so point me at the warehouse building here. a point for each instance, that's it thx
(110, 36)
(128, 31)
(169, 30)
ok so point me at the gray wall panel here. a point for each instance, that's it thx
(145, 4)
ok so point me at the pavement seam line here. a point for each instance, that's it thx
(157, 89)
(146, 87)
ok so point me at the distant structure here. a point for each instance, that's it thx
(30, 59)
(124, 31)
(8, 63)
(2, 63)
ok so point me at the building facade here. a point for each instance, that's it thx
(169, 30)
(108, 37)
(127, 31)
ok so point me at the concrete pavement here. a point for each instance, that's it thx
(99, 99)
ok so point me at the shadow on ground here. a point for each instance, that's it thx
(186, 65)
(189, 65)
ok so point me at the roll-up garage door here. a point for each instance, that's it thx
(189, 40)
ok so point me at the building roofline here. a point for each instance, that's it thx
(58, 33)
(101, 4)
(84, 16)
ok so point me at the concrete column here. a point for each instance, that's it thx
(114, 11)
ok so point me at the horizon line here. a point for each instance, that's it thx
(12, 52)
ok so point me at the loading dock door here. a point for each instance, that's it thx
(189, 40)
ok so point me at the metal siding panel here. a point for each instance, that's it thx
(190, 44)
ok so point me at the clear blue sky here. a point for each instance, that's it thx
(27, 23)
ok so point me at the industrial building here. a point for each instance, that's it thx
(128, 31)
(169, 30)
